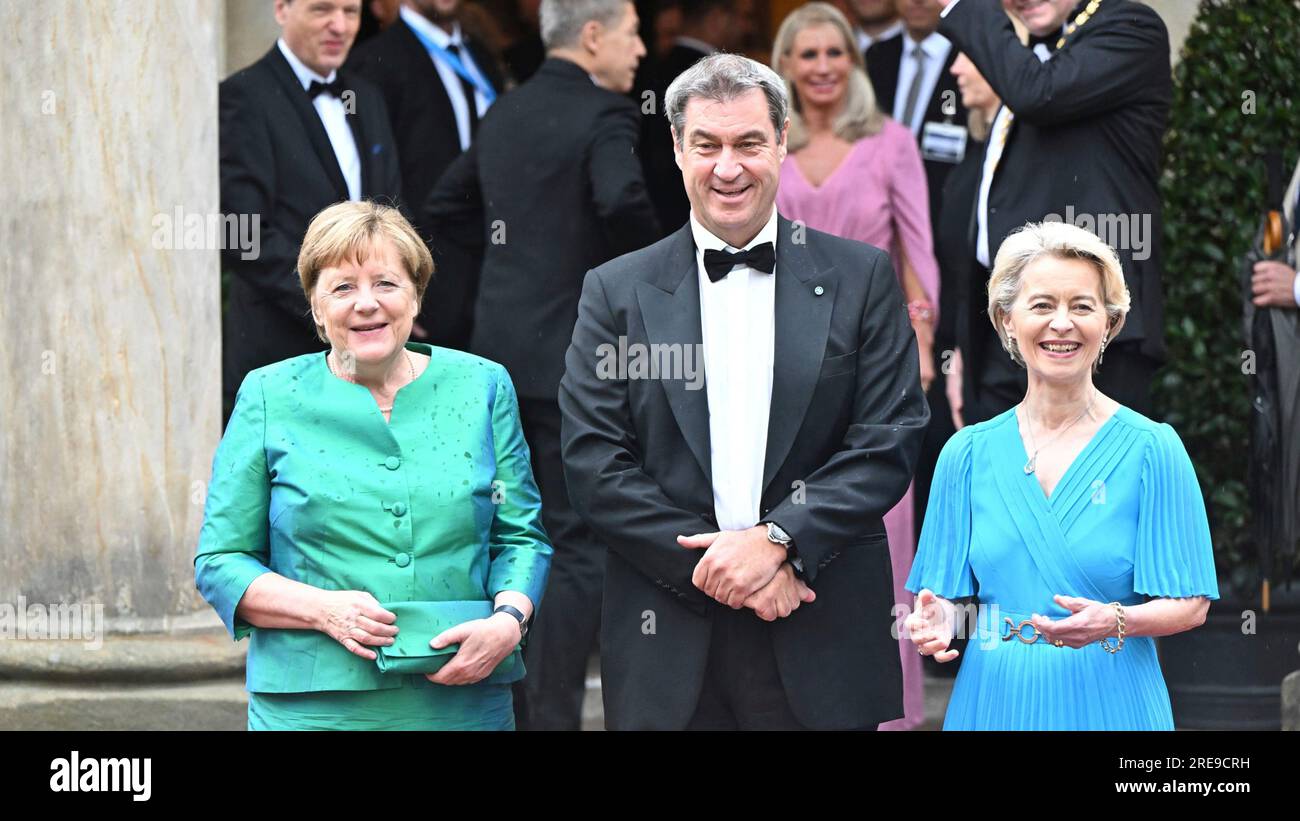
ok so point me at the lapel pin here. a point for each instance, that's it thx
(819, 290)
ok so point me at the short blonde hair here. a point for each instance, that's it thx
(860, 117)
(348, 231)
(1062, 241)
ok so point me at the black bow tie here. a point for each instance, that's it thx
(762, 257)
(1048, 40)
(335, 88)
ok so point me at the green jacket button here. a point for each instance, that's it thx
(399, 508)
(403, 559)
(392, 463)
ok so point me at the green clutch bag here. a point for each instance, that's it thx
(419, 622)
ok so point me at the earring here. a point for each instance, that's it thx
(1011, 343)
(1102, 353)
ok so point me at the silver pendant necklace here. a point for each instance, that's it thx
(1032, 464)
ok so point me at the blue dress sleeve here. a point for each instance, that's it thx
(1174, 557)
(942, 561)
(234, 544)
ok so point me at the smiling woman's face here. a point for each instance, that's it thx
(818, 66)
(1059, 318)
(366, 308)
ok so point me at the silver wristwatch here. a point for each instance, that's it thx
(776, 535)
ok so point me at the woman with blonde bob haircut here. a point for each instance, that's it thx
(372, 520)
(1076, 523)
(857, 174)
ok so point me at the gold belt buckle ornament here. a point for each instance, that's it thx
(1017, 631)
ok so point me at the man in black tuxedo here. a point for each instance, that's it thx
(1078, 139)
(708, 26)
(297, 135)
(435, 113)
(748, 583)
(551, 188)
(912, 78)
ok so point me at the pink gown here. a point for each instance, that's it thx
(878, 195)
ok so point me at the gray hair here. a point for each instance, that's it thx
(1062, 241)
(562, 20)
(723, 77)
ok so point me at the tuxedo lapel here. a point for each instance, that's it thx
(805, 297)
(357, 125)
(670, 308)
(311, 122)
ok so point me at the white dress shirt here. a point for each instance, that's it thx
(936, 48)
(334, 118)
(738, 320)
(993, 156)
(866, 41)
(450, 79)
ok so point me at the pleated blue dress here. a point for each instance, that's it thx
(1126, 522)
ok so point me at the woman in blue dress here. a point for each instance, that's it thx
(1076, 523)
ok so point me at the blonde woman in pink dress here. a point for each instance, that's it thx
(855, 173)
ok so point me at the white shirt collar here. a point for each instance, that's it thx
(305, 75)
(706, 241)
(935, 46)
(422, 24)
(866, 41)
(698, 45)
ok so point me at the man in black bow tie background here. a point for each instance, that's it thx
(296, 136)
(1078, 139)
(748, 583)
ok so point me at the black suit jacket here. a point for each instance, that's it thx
(964, 298)
(663, 177)
(424, 125)
(883, 63)
(551, 188)
(277, 163)
(1087, 135)
(846, 423)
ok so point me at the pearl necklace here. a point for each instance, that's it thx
(388, 409)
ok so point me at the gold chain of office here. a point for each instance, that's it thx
(1083, 17)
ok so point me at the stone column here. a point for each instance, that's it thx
(250, 31)
(110, 371)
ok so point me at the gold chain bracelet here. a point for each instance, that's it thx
(1119, 618)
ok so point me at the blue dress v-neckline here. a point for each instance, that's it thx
(1071, 471)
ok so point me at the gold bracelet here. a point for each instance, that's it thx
(1119, 618)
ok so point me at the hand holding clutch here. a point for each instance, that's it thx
(484, 643)
(452, 639)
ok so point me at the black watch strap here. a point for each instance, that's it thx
(517, 613)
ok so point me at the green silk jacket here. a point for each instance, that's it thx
(309, 481)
